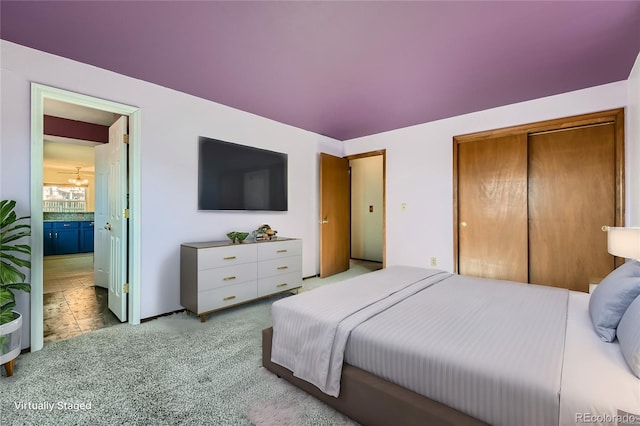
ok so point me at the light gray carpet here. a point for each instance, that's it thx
(170, 371)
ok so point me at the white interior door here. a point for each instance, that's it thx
(101, 236)
(116, 218)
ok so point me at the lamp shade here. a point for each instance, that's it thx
(624, 242)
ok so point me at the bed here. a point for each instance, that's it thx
(408, 345)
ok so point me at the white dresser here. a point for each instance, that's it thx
(216, 275)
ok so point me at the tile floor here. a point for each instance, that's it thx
(72, 305)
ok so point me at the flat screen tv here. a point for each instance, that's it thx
(239, 177)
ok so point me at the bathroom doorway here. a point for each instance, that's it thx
(128, 250)
(72, 302)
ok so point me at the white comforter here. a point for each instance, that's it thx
(493, 349)
(597, 384)
(305, 327)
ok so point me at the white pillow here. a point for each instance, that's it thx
(612, 297)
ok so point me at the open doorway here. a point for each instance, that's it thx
(367, 173)
(128, 269)
(367, 201)
(352, 212)
(74, 301)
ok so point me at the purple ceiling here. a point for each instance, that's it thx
(343, 69)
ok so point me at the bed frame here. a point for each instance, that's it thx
(371, 400)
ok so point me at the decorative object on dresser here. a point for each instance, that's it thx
(237, 237)
(264, 232)
(216, 275)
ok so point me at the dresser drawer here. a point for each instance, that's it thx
(279, 283)
(226, 296)
(216, 257)
(273, 267)
(279, 249)
(230, 275)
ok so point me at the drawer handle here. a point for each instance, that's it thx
(282, 251)
(282, 285)
(229, 278)
(282, 267)
(229, 258)
(66, 224)
(229, 298)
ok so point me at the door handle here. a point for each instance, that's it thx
(107, 227)
(325, 220)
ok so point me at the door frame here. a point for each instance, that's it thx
(39, 93)
(383, 153)
(615, 116)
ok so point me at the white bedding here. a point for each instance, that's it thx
(305, 332)
(596, 380)
(554, 372)
(491, 349)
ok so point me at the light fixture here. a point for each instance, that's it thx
(78, 181)
(623, 242)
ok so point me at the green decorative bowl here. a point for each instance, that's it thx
(237, 237)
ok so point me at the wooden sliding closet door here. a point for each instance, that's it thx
(530, 200)
(572, 192)
(492, 208)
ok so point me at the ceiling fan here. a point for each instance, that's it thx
(77, 179)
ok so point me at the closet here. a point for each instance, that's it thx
(530, 201)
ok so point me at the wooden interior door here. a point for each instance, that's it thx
(335, 222)
(572, 189)
(492, 207)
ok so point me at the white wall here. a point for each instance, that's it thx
(632, 132)
(171, 124)
(366, 190)
(419, 164)
(419, 168)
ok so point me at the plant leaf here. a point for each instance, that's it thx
(9, 274)
(7, 307)
(6, 237)
(15, 260)
(26, 287)
(6, 317)
(5, 296)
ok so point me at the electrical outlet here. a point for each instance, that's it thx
(434, 261)
(403, 207)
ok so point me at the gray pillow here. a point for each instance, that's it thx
(629, 336)
(612, 297)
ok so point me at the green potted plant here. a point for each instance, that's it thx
(13, 258)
